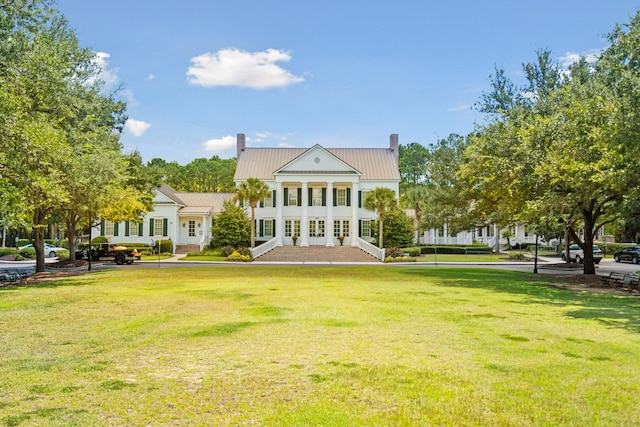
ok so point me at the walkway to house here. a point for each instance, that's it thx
(312, 254)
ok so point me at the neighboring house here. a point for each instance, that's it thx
(317, 193)
(183, 218)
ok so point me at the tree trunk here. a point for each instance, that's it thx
(253, 226)
(38, 244)
(589, 266)
(71, 238)
(380, 228)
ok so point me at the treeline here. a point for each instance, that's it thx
(214, 175)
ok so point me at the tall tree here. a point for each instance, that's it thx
(380, 200)
(253, 190)
(412, 162)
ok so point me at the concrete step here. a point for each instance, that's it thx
(317, 254)
(185, 249)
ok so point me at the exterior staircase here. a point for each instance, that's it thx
(346, 254)
(185, 249)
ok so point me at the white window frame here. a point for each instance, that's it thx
(341, 197)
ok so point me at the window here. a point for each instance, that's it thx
(268, 201)
(108, 228)
(316, 197)
(134, 228)
(312, 229)
(267, 230)
(321, 228)
(287, 228)
(157, 227)
(293, 197)
(366, 228)
(192, 228)
(341, 197)
(340, 228)
(296, 227)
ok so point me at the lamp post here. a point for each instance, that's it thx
(535, 261)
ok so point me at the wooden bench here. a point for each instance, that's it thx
(616, 280)
(613, 280)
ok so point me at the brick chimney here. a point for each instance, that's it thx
(242, 144)
(393, 145)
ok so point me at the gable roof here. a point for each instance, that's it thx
(203, 203)
(374, 164)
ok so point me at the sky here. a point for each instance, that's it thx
(339, 73)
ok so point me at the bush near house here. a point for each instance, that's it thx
(455, 249)
(8, 251)
(236, 256)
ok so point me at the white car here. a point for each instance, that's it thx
(50, 251)
(577, 254)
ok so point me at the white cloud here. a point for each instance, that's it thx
(571, 58)
(128, 97)
(233, 67)
(461, 107)
(221, 144)
(137, 127)
(109, 76)
(151, 76)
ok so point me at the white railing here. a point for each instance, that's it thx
(370, 249)
(263, 248)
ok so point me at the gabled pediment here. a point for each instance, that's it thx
(317, 160)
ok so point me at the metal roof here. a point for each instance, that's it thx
(203, 203)
(374, 164)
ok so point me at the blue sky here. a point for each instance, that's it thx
(335, 73)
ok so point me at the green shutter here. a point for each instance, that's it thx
(115, 229)
(165, 226)
(261, 232)
(324, 197)
(348, 197)
(274, 199)
(299, 196)
(359, 228)
(310, 196)
(126, 228)
(140, 229)
(286, 197)
(102, 228)
(359, 199)
(151, 227)
(335, 197)
(273, 228)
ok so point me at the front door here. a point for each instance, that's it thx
(317, 232)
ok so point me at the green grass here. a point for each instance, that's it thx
(317, 346)
(463, 258)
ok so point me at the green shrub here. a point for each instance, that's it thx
(166, 246)
(517, 256)
(244, 251)
(394, 252)
(413, 251)
(99, 239)
(8, 251)
(28, 253)
(225, 251)
(400, 259)
(236, 256)
(23, 242)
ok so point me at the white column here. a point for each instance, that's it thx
(328, 228)
(279, 221)
(355, 226)
(304, 221)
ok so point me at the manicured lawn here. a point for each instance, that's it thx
(316, 346)
(463, 258)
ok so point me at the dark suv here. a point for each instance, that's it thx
(630, 253)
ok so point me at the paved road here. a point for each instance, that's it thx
(545, 266)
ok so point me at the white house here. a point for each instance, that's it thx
(183, 218)
(317, 192)
(316, 195)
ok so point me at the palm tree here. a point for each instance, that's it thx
(380, 200)
(253, 190)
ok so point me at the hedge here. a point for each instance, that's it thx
(455, 249)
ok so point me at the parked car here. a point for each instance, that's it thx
(49, 250)
(630, 253)
(577, 254)
(109, 252)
